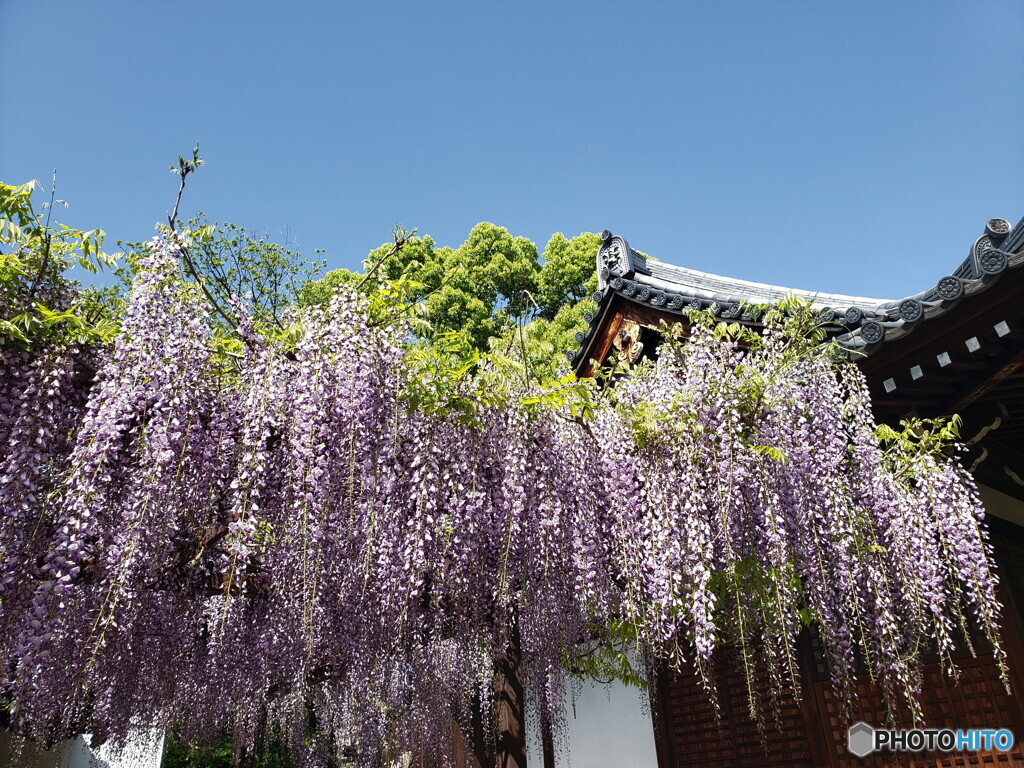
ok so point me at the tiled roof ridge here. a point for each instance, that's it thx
(859, 324)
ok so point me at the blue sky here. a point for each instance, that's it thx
(846, 147)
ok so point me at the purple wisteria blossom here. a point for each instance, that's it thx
(282, 542)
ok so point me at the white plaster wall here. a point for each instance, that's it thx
(143, 750)
(609, 727)
(1001, 505)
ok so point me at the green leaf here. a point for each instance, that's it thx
(772, 453)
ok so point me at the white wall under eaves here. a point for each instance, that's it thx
(1002, 505)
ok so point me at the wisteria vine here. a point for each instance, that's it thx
(286, 545)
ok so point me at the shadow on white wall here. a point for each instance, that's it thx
(143, 750)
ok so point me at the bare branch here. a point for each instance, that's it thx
(401, 238)
(231, 321)
(173, 218)
(42, 268)
(185, 167)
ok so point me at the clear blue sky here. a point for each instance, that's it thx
(853, 147)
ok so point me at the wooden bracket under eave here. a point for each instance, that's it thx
(600, 347)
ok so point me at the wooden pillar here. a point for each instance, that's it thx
(547, 741)
(815, 721)
(661, 718)
(510, 741)
(500, 741)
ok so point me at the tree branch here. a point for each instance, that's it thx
(401, 238)
(231, 321)
(185, 167)
(173, 217)
(42, 268)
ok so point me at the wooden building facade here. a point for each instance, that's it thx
(955, 348)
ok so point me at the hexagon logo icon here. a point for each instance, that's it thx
(860, 739)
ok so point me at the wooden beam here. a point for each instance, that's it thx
(1011, 399)
(900, 402)
(957, 361)
(995, 457)
(1004, 369)
(914, 388)
(974, 318)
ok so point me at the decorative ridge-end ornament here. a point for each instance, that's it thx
(987, 254)
(616, 259)
(997, 229)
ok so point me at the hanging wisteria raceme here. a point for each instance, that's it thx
(43, 389)
(42, 400)
(338, 541)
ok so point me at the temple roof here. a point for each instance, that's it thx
(859, 324)
(956, 347)
(730, 290)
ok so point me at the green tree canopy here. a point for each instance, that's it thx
(236, 266)
(568, 274)
(38, 299)
(493, 289)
